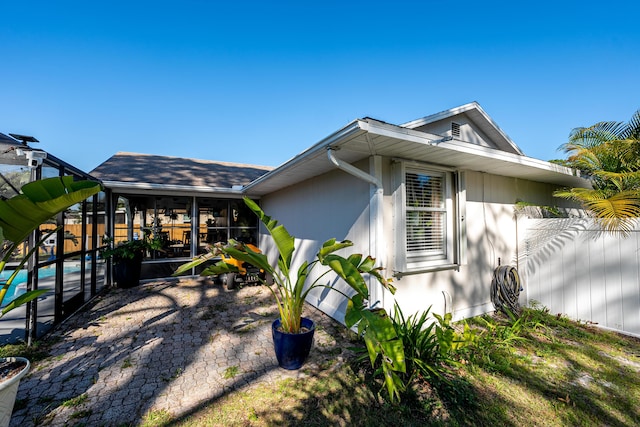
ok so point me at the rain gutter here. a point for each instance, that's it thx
(333, 140)
(376, 241)
(123, 187)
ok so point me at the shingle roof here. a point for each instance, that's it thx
(166, 170)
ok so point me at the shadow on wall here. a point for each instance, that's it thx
(575, 269)
(463, 291)
(542, 238)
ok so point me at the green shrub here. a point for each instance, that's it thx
(421, 349)
(431, 347)
(434, 347)
(453, 343)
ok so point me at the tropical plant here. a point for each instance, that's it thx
(608, 153)
(129, 249)
(23, 213)
(290, 289)
(451, 342)
(434, 349)
(421, 346)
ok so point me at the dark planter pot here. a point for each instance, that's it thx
(292, 349)
(126, 272)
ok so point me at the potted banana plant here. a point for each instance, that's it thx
(292, 332)
(19, 217)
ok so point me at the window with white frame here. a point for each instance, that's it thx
(428, 221)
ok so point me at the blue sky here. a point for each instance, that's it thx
(259, 82)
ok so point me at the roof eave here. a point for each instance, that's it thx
(484, 155)
(122, 187)
(459, 110)
(337, 138)
(382, 137)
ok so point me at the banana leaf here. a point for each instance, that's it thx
(290, 290)
(39, 201)
(22, 214)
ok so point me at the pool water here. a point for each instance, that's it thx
(18, 287)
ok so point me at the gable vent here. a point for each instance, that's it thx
(455, 130)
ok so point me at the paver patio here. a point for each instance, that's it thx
(165, 345)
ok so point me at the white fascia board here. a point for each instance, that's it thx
(459, 110)
(335, 139)
(391, 131)
(499, 130)
(136, 187)
(440, 116)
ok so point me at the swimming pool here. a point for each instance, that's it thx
(18, 287)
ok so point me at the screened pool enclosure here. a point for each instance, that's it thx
(68, 264)
(188, 204)
(186, 225)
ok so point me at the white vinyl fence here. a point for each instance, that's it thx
(573, 268)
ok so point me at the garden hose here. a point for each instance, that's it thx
(505, 289)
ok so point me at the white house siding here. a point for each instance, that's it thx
(334, 205)
(491, 235)
(468, 131)
(572, 268)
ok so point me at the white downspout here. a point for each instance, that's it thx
(376, 245)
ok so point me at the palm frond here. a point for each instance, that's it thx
(608, 153)
(620, 181)
(633, 127)
(615, 211)
(596, 134)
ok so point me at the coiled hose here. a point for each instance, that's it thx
(505, 289)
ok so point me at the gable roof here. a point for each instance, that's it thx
(131, 172)
(363, 138)
(479, 117)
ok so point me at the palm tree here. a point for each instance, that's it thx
(608, 153)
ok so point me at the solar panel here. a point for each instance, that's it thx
(23, 138)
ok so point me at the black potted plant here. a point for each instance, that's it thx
(127, 259)
(292, 333)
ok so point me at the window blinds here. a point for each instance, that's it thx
(426, 214)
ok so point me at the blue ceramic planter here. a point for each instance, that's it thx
(292, 349)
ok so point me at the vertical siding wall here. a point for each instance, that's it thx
(492, 233)
(571, 267)
(334, 205)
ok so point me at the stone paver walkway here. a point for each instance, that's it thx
(165, 345)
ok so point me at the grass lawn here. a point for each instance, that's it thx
(548, 372)
(544, 370)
